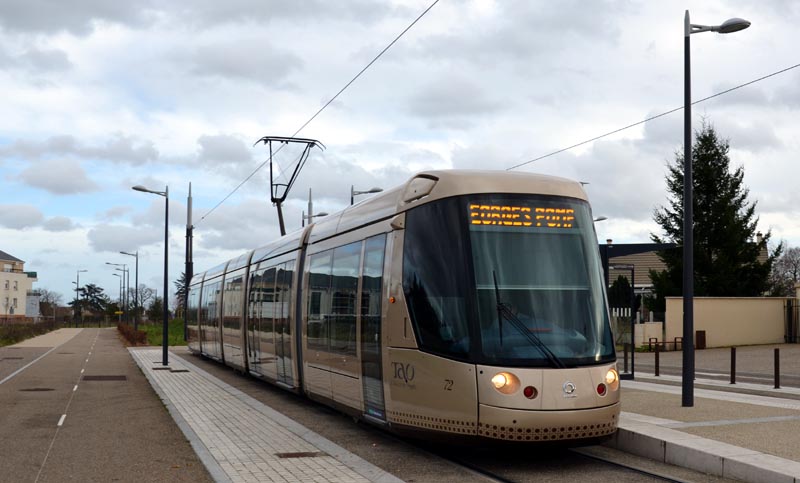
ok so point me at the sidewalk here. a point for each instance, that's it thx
(729, 434)
(241, 439)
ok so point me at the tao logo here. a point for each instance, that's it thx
(404, 372)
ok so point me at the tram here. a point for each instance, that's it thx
(469, 304)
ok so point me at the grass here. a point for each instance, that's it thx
(154, 332)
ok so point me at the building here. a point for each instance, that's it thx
(17, 297)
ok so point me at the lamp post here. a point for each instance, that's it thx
(305, 217)
(354, 193)
(124, 302)
(165, 322)
(77, 287)
(135, 291)
(728, 26)
(120, 293)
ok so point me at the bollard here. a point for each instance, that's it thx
(777, 369)
(657, 353)
(625, 360)
(733, 365)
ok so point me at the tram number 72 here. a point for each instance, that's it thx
(448, 384)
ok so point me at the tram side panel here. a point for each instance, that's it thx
(192, 322)
(269, 321)
(209, 318)
(423, 391)
(232, 303)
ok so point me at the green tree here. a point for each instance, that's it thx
(619, 295)
(181, 287)
(726, 249)
(156, 310)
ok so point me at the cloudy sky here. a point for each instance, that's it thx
(99, 96)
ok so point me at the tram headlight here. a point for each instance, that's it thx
(505, 382)
(612, 379)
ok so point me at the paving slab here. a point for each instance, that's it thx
(739, 436)
(242, 439)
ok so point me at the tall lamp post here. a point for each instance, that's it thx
(77, 287)
(124, 302)
(120, 294)
(728, 26)
(135, 291)
(354, 193)
(304, 217)
(165, 322)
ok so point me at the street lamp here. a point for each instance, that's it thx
(165, 331)
(305, 217)
(135, 291)
(77, 287)
(124, 302)
(354, 193)
(729, 26)
(120, 294)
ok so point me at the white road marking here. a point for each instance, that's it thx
(82, 370)
(27, 365)
(75, 388)
(61, 421)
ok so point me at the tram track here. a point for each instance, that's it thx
(591, 456)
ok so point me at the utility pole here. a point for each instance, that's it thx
(189, 270)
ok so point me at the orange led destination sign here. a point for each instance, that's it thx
(524, 216)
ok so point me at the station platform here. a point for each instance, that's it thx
(747, 432)
(748, 437)
(240, 439)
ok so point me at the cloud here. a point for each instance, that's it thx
(34, 60)
(77, 17)
(58, 223)
(20, 216)
(115, 238)
(452, 102)
(58, 177)
(253, 60)
(117, 148)
(223, 149)
(114, 213)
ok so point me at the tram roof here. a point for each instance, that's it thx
(428, 186)
(421, 188)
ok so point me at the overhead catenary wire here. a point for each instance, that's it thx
(303, 126)
(615, 131)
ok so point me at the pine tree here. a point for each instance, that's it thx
(725, 249)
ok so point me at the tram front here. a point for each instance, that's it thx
(512, 286)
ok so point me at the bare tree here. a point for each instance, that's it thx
(786, 272)
(49, 301)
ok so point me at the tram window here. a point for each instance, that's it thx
(435, 278)
(232, 312)
(286, 297)
(346, 264)
(319, 300)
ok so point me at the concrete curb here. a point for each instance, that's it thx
(700, 454)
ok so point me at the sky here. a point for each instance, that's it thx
(99, 96)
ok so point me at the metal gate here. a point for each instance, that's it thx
(791, 319)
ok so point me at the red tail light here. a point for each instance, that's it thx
(601, 389)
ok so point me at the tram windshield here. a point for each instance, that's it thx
(507, 280)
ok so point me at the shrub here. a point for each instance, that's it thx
(134, 337)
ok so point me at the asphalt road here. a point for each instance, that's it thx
(60, 422)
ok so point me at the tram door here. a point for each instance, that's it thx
(371, 370)
(283, 322)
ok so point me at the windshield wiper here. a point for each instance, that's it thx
(504, 312)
